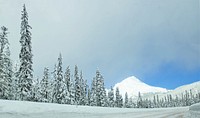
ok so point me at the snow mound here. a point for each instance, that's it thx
(194, 111)
(133, 85)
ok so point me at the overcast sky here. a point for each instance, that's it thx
(158, 41)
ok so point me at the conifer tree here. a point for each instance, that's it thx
(100, 90)
(117, 98)
(67, 78)
(111, 98)
(72, 92)
(83, 90)
(5, 66)
(36, 90)
(61, 93)
(25, 73)
(15, 83)
(44, 86)
(139, 101)
(93, 98)
(77, 86)
(126, 103)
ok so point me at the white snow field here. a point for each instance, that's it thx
(24, 109)
(194, 111)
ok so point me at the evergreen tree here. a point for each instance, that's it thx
(44, 86)
(25, 73)
(15, 83)
(67, 78)
(35, 90)
(120, 101)
(111, 98)
(61, 93)
(139, 101)
(72, 92)
(5, 66)
(117, 98)
(93, 98)
(54, 85)
(126, 103)
(83, 87)
(100, 90)
(77, 86)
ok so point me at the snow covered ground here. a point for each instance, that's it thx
(194, 111)
(23, 109)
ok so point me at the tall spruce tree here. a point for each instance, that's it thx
(100, 89)
(61, 93)
(117, 98)
(25, 73)
(5, 66)
(77, 86)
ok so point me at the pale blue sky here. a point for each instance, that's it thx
(158, 41)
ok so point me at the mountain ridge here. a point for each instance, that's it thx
(133, 86)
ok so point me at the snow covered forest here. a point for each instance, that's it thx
(64, 85)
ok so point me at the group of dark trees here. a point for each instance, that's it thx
(17, 83)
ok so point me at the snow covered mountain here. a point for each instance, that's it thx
(193, 87)
(133, 86)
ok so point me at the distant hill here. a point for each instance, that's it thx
(133, 85)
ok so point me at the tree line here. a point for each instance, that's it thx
(64, 87)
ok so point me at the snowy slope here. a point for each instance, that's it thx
(194, 111)
(23, 109)
(194, 87)
(132, 86)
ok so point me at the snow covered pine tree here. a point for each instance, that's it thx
(25, 73)
(5, 66)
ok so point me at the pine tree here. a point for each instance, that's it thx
(35, 90)
(44, 86)
(139, 101)
(77, 86)
(117, 98)
(67, 78)
(5, 66)
(93, 98)
(126, 103)
(100, 90)
(15, 83)
(72, 92)
(83, 88)
(120, 101)
(25, 73)
(54, 85)
(111, 98)
(61, 93)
